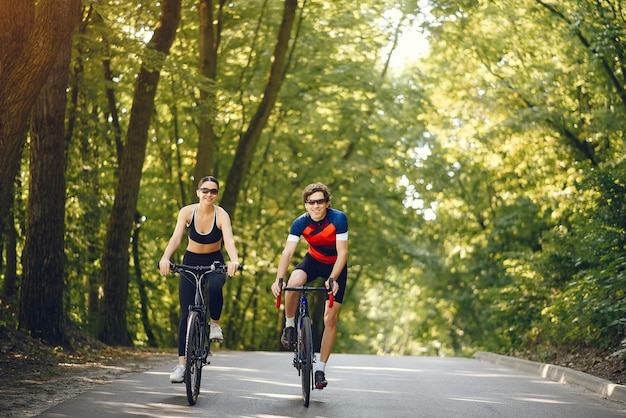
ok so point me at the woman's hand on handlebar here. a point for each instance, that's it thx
(232, 268)
(164, 266)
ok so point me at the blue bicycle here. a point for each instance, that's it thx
(304, 354)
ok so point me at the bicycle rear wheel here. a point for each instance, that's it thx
(193, 357)
(306, 357)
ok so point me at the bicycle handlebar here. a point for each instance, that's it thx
(216, 267)
(331, 296)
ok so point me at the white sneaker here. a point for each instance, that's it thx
(178, 375)
(215, 333)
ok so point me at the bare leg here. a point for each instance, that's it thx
(331, 315)
(297, 278)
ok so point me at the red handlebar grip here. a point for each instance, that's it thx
(280, 286)
(331, 299)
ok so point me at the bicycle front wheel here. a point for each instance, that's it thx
(193, 357)
(306, 358)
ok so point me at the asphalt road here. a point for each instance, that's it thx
(264, 385)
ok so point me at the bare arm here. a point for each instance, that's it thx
(229, 241)
(342, 259)
(283, 265)
(176, 238)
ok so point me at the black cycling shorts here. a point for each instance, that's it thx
(315, 269)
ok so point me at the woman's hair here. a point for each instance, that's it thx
(316, 187)
(208, 178)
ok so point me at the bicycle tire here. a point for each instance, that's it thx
(306, 357)
(193, 357)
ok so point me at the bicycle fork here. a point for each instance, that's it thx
(297, 359)
(205, 343)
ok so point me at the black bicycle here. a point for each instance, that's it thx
(197, 345)
(304, 354)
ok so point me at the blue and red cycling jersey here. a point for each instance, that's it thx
(322, 236)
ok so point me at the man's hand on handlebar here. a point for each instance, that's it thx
(277, 287)
(332, 285)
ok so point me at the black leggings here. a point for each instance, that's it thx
(187, 292)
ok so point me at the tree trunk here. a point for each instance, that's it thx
(41, 297)
(144, 301)
(9, 285)
(206, 156)
(249, 140)
(112, 327)
(28, 49)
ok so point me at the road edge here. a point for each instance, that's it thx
(604, 388)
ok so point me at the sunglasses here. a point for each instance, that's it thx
(204, 190)
(317, 201)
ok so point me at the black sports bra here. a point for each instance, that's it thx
(215, 235)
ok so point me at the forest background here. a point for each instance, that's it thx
(477, 148)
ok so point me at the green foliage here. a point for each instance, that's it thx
(522, 248)
(591, 306)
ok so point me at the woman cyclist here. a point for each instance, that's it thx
(208, 226)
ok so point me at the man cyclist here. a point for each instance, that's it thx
(326, 231)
